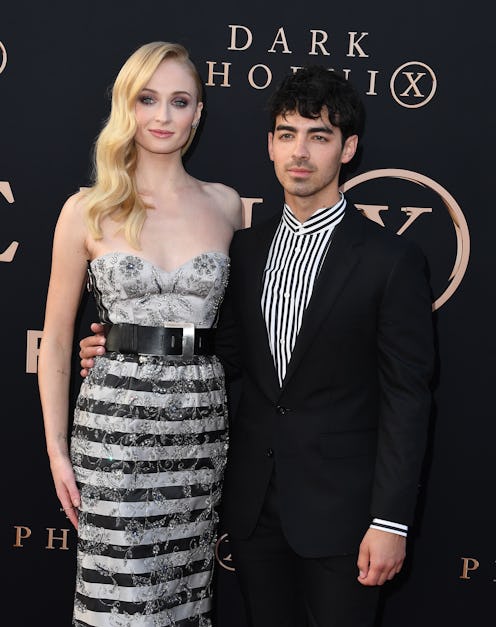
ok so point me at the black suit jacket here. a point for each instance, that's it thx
(346, 432)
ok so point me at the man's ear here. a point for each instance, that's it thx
(270, 140)
(349, 148)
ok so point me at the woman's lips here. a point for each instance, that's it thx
(161, 134)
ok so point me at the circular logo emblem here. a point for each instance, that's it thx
(415, 205)
(3, 57)
(223, 554)
(413, 84)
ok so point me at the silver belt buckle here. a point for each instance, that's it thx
(188, 348)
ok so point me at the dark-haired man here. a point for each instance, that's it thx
(327, 317)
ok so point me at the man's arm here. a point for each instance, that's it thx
(405, 360)
(227, 335)
(406, 355)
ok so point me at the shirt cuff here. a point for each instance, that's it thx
(391, 527)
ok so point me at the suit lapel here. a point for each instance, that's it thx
(340, 260)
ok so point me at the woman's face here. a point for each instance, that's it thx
(166, 109)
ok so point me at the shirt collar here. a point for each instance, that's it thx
(323, 219)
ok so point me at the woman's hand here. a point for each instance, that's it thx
(66, 488)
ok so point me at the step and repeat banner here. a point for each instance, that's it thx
(425, 171)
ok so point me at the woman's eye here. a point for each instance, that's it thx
(147, 100)
(180, 102)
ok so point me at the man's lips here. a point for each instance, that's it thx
(299, 171)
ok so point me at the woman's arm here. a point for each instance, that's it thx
(64, 294)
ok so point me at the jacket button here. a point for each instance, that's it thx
(269, 452)
(281, 410)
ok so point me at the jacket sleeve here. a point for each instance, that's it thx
(406, 357)
(227, 335)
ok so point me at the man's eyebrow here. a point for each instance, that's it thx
(313, 129)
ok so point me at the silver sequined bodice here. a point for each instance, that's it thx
(131, 289)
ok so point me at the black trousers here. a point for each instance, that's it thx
(283, 589)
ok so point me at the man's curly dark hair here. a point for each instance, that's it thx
(312, 88)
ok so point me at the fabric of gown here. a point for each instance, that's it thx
(148, 447)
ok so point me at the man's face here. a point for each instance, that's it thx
(307, 155)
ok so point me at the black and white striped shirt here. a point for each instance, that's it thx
(293, 265)
(295, 258)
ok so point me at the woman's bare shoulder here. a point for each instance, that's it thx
(73, 209)
(75, 203)
(227, 200)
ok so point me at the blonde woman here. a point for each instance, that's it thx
(142, 474)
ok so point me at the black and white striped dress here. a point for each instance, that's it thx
(148, 447)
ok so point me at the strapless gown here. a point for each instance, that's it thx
(148, 447)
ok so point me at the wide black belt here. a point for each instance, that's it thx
(183, 340)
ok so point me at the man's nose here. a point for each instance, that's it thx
(301, 150)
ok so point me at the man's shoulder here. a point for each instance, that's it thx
(375, 233)
(382, 245)
(253, 233)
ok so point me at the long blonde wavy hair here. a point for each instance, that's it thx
(114, 192)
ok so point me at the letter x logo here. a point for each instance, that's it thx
(413, 84)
